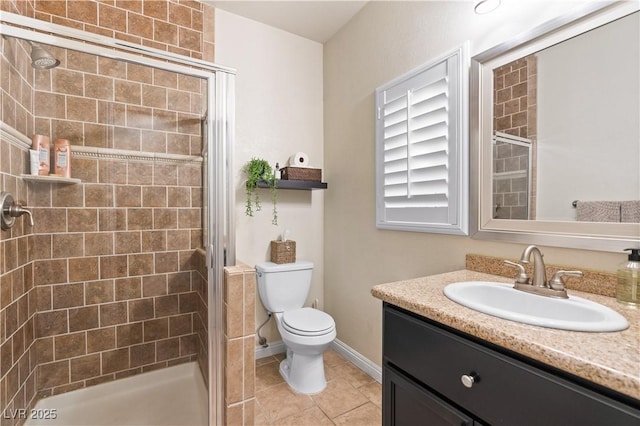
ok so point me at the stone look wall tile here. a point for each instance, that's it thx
(233, 389)
(239, 294)
(234, 303)
(200, 319)
(515, 113)
(58, 284)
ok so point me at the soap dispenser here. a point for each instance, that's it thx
(628, 291)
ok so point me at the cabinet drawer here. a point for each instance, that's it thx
(506, 391)
(406, 403)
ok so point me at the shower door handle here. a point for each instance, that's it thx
(211, 253)
(210, 256)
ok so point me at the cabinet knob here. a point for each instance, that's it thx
(469, 379)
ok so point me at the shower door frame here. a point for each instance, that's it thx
(524, 143)
(219, 137)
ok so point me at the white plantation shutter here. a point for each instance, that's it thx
(422, 148)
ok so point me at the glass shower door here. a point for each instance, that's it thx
(512, 180)
(128, 261)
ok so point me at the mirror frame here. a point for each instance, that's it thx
(582, 235)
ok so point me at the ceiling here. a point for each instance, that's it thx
(315, 20)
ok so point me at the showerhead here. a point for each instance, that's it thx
(41, 59)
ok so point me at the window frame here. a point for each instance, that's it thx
(458, 152)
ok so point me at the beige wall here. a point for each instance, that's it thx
(278, 112)
(384, 40)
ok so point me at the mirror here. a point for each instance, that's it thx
(556, 133)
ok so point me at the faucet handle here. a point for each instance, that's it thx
(10, 209)
(557, 282)
(522, 277)
(17, 209)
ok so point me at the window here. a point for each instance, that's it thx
(422, 148)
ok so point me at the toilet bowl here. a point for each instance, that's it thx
(303, 368)
(306, 332)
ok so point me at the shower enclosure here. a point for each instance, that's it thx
(512, 177)
(122, 272)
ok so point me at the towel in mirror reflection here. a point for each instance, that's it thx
(608, 211)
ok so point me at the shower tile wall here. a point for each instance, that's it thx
(510, 194)
(184, 27)
(17, 294)
(201, 325)
(105, 285)
(114, 272)
(515, 113)
(515, 88)
(114, 266)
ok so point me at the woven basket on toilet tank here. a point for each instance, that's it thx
(283, 251)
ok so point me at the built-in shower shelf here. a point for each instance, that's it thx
(50, 179)
(295, 184)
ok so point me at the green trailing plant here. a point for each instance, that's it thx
(259, 170)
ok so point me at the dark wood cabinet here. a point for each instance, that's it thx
(408, 403)
(423, 368)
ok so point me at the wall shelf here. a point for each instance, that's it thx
(50, 179)
(295, 184)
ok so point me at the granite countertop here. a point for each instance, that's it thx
(609, 359)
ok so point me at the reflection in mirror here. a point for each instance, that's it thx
(566, 138)
(512, 180)
(555, 119)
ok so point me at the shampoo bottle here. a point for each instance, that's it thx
(41, 144)
(628, 291)
(62, 158)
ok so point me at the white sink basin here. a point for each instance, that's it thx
(502, 300)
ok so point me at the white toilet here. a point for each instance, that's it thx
(306, 332)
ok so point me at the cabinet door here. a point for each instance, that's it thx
(507, 391)
(405, 403)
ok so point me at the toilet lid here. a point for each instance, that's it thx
(307, 322)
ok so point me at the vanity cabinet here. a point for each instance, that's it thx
(436, 376)
(413, 404)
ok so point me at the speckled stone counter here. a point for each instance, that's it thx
(609, 359)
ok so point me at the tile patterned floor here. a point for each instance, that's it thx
(351, 397)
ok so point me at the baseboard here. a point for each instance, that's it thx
(357, 359)
(273, 349)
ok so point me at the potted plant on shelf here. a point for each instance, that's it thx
(259, 170)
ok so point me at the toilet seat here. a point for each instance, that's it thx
(307, 322)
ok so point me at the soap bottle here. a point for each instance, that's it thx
(628, 290)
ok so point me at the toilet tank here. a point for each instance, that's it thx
(284, 286)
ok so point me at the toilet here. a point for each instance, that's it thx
(306, 332)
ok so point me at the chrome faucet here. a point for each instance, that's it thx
(539, 278)
(10, 209)
(538, 283)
